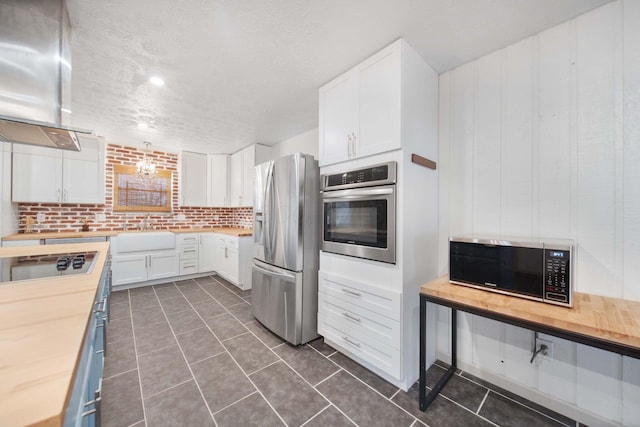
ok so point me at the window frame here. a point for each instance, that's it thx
(131, 170)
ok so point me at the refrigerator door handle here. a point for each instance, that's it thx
(267, 215)
(284, 276)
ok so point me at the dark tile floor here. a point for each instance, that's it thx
(189, 353)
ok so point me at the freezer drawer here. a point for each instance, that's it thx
(276, 299)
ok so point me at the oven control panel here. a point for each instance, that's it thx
(557, 286)
(381, 174)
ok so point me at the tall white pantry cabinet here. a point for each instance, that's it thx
(384, 109)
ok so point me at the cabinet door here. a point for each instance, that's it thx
(163, 265)
(36, 174)
(232, 264)
(217, 179)
(236, 184)
(207, 252)
(83, 174)
(193, 179)
(129, 269)
(379, 103)
(338, 118)
(248, 175)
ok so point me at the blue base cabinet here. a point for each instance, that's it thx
(85, 402)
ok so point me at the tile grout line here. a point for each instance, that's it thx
(466, 409)
(231, 356)
(515, 401)
(315, 415)
(490, 389)
(118, 374)
(135, 348)
(484, 399)
(168, 388)
(237, 401)
(193, 377)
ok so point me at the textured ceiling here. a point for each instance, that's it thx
(245, 71)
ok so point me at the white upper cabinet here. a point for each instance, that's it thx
(242, 167)
(48, 175)
(193, 179)
(203, 179)
(236, 179)
(360, 111)
(218, 178)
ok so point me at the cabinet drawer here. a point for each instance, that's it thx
(229, 241)
(384, 302)
(359, 322)
(187, 239)
(188, 266)
(382, 357)
(189, 251)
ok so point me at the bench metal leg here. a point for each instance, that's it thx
(426, 399)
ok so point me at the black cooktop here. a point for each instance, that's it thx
(41, 266)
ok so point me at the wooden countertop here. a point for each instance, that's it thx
(42, 327)
(610, 320)
(232, 231)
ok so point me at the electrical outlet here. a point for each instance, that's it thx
(548, 353)
(181, 217)
(100, 217)
(216, 217)
(40, 218)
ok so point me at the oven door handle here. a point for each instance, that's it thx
(356, 194)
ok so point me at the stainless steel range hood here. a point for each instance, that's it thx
(40, 133)
(35, 70)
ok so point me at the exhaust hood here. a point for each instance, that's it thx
(40, 133)
(35, 70)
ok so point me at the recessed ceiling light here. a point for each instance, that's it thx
(142, 125)
(156, 81)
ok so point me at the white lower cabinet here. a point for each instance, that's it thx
(207, 252)
(195, 253)
(362, 319)
(233, 259)
(140, 267)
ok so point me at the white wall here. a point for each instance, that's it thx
(542, 139)
(306, 142)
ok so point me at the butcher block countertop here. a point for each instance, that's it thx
(232, 231)
(611, 320)
(42, 328)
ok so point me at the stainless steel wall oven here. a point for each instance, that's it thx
(359, 213)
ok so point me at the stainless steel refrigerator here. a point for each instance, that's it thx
(284, 291)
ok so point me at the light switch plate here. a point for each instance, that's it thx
(100, 217)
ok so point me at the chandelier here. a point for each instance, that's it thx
(146, 167)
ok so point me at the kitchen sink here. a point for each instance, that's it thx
(145, 241)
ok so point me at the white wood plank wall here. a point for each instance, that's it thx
(542, 139)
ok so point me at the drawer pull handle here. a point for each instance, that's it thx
(353, 343)
(102, 308)
(189, 266)
(347, 291)
(348, 316)
(192, 251)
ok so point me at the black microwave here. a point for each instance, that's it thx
(540, 270)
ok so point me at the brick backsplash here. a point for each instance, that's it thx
(70, 217)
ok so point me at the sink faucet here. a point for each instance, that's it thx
(146, 224)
